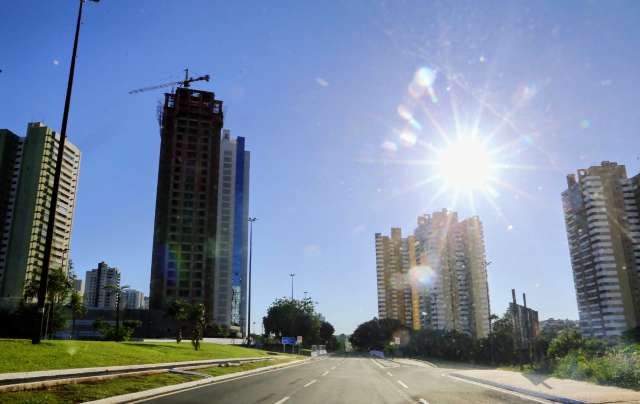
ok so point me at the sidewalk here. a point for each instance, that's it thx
(550, 388)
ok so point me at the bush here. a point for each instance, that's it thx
(617, 367)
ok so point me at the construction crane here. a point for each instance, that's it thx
(184, 83)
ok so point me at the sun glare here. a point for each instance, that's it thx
(465, 165)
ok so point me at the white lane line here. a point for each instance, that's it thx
(389, 373)
(310, 383)
(423, 401)
(282, 401)
(402, 384)
(325, 373)
(513, 393)
(377, 364)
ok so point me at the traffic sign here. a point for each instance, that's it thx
(288, 340)
(299, 341)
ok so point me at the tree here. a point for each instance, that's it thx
(177, 309)
(78, 310)
(326, 331)
(292, 318)
(375, 334)
(59, 286)
(198, 320)
(117, 292)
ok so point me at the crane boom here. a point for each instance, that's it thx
(184, 83)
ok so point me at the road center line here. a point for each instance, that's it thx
(282, 401)
(402, 384)
(325, 373)
(389, 373)
(309, 384)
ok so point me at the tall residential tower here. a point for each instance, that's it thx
(603, 229)
(436, 278)
(184, 240)
(27, 167)
(230, 278)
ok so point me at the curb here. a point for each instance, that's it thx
(532, 393)
(33, 380)
(161, 391)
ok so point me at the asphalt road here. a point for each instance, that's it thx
(345, 380)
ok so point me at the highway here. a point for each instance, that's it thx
(351, 380)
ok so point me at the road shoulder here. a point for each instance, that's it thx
(548, 388)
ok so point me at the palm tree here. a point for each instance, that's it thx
(178, 311)
(117, 293)
(198, 319)
(78, 309)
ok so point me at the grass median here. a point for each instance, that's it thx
(22, 356)
(81, 392)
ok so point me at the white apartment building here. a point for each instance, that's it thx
(603, 229)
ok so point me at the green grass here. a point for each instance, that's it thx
(219, 371)
(81, 392)
(22, 356)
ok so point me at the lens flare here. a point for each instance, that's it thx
(466, 165)
(422, 274)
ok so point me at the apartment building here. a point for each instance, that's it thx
(603, 230)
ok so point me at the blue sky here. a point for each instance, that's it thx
(315, 88)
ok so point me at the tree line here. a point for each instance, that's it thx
(563, 352)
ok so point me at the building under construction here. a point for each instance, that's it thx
(184, 240)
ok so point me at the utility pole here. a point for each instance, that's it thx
(292, 275)
(251, 220)
(48, 244)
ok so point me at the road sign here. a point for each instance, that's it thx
(299, 341)
(288, 340)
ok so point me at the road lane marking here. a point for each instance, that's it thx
(513, 393)
(389, 373)
(282, 401)
(423, 401)
(402, 384)
(325, 373)
(310, 383)
(333, 368)
(377, 364)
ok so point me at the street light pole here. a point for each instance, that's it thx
(251, 220)
(491, 348)
(48, 244)
(292, 275)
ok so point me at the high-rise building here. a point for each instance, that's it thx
(603, 229)
(27, 167)
(230, 280)
(452, 255)
(98, 283)
(436, 278)
(78, 286)
(184, 240)
(132, 299)
(395, 258)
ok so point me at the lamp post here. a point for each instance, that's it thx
(251, 220)
(292, 275)
(48, 244)
(491, 349)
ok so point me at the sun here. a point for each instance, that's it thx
(465, 165)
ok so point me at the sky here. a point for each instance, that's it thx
(342, 141)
